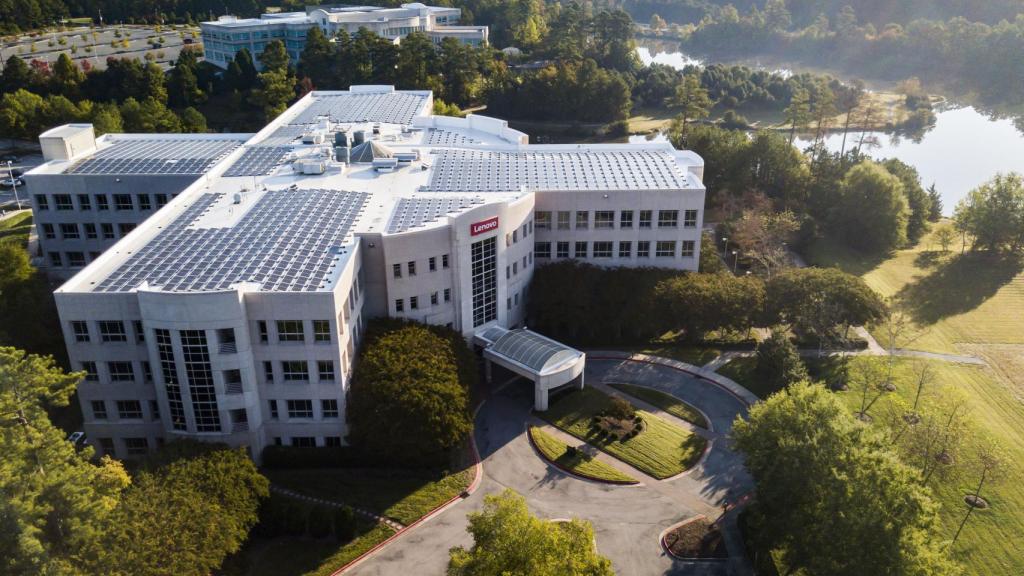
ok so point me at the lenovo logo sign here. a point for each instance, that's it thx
(483, 226)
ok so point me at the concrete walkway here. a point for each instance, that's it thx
(627, 520)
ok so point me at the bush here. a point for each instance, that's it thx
(778, 361)
(621, 409)
(618, 128)
(345, 523)
(320, 521)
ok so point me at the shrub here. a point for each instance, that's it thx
(621, 409)
(344, 523)
(778, 361)
(320, 521)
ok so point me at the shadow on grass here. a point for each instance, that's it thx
(959, 285)
(828, 253)
(928, 259)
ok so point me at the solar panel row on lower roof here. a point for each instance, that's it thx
(499, 171)
(386, 107)
(257, 161)
(286, 242)
(414, 212)
(156, 156)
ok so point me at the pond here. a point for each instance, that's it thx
(964, 149)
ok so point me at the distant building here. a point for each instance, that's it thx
(235, 312)
(228, 35)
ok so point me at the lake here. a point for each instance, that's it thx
(964, 149)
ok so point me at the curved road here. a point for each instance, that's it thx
(627, 519)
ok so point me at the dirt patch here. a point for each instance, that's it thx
(697, 539)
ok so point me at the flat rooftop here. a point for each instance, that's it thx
(279, 212)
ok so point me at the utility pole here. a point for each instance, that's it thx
(14, 184)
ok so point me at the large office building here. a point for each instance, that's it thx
(228, 35)
(234, 312)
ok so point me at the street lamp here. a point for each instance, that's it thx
(726, 240)
(14, 183)
(735, 260)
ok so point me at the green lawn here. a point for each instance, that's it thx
(578, 463)
(16, 228)
(404, 495)
(741, 371)
(293, 556)
(666, 402)
(661, 450)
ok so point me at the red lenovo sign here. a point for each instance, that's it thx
(483, 226)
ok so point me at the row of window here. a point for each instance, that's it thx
(109, 331)
(287, 331)
(117, 371)
(86, 202)
(309, 441)
(299, 371)
(513, 269)
(303, 409)
(290, 371)
(606, 249)
(295, 331)
(605, 219)
(414, 301)
(88, 231)
(125, 410)
(513, 237)
(133, 446)
(410, 266)
(74, 259)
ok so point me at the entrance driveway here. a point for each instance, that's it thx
(627, 519)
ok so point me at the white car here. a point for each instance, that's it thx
(11, 182)
(77, 438)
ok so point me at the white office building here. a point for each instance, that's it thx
(228, 35)
(234, 313)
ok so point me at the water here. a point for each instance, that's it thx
(964, 149)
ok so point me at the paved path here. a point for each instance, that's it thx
(628, 520)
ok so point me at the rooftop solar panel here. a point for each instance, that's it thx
(389, 108)
(257, 161)
(156, 156)
(288, 241)
(415, 212)
(584, 169)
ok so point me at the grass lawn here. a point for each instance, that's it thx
(16, 228)
(404, 495)
(661, 450)
(666, 402)
(741, 371)
(578, 463)
(990, 543)
(293, 556)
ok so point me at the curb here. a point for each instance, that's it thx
(576, 475)
(665, 547)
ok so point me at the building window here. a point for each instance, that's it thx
(687, 251)
(396, 270)
(562, 250)
(140, 331)
(63, 201)
(414, 303)
(261, 327)
(581, 250)
(108, 231)
(645, 218)
(84, 202)
(563, 220)
(602, 249)
(233, 381)
(90, 231)
(433, 299)
(444, 261)
(91, 374)
(101, 202)
(543, 249)
(76, 259)
(41, 202)
(154, 410)
(147, 372)
(625, 249)
(626, 219)
(543, 220)
(668, 218)
(129, 410)
(294, 371)
(300, 408)
(136, 446)
(123, 202)
(69, 231)
(144, 203)
(332, 441)
(515, 268)
(99, 410)
(273, 409)
(169, 372)
(80, 328)
(321, 330)
(604, 219)
(125, 228)
(329, 408)
(161, 200)
(48, 232)
(268, 371)
(112, 331)
(484, 275)
(325, 370)
(290, 331)
(55, 260)
(412, 268)
(107, 447)
(432, 263)
(303, 441)
(399, 305)
(582, 219)
(643, 249)
(199, 374)
(665, 249)
(515, 236)
(690, 219)
(121, 371)
(226, 341)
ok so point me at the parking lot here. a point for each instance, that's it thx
(96, 44)
(24, 163)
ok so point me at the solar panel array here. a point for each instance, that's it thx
(495, 171)
(283, 135)
(257, 161)
(156, 156)
(387, 107)
(287, 242)
(436, 137)
(415, 212)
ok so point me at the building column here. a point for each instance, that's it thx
(580, 386)
(487, 370)
(540, 397)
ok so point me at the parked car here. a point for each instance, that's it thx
(77, 439)
(11, 182)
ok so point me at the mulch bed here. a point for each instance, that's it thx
(698, 539)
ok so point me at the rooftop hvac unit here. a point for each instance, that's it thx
(385, 164)
(407, 157)
(341, 154)
(311, 167)
(358, 137)
(313, 138)
(341, 138)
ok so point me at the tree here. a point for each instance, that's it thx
(150, 115)
(823, 109)
(692, 100)
(507, 539)
(763, 234)
(275, 89)
(991, 463)
(274, 57)
(815, 466)
(871, 212)
(993, 213)
(19, 114)
(417, 62)
(778, 361)
(410, 393)
(241, 72)
(869, 379)
(935, 204)
(192, 120)
(56, 502)
(710, 261)
(816, 300)
(14, 264)
(918, 200)
(182, 85)
(798, 113)
(700, 303)
(316, 61)
(849, 98)
(945, 235)
(66, 76)
(16, 75)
